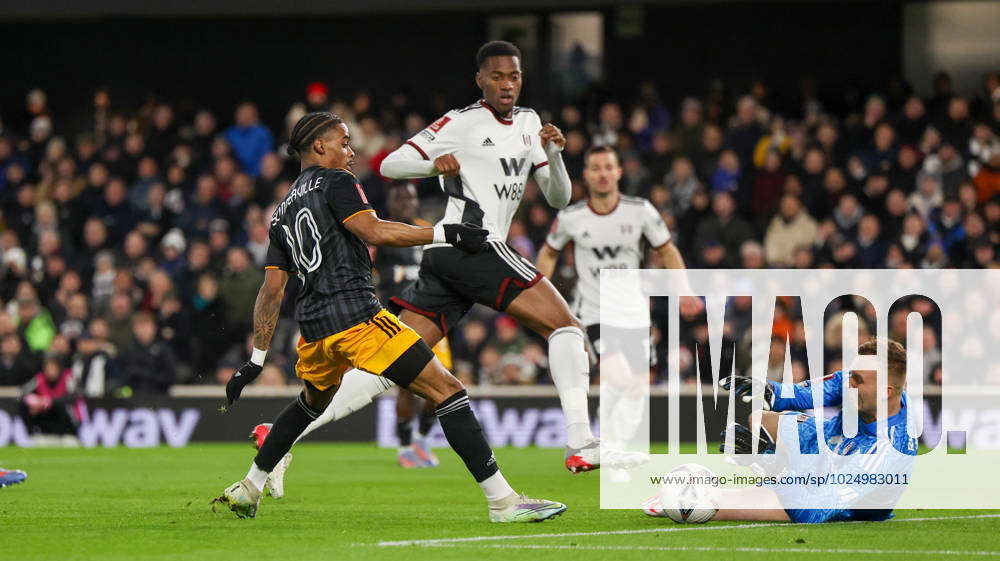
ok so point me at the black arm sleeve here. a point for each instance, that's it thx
(277, 252)
(344, 194)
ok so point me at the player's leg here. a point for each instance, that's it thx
(425, 420)
(466, 437)
(406, 404)
(542, 309)
(244, 496)
(321, 372)
(428, 330)
(426, 415)
(356, 390)
(287, 427)
(755, 514)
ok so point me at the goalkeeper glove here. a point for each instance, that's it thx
(743, 439)
(467, 237)
(742, 388)
(241, 378)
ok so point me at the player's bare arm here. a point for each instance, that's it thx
(672, 259)
(547, 257)
(267, 306)
(671, 256)
(375, 231)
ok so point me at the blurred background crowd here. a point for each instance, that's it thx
(132, 238)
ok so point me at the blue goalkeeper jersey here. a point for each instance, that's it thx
(864, 442)
(833, 429)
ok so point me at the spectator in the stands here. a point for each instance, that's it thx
(790, 229)
(250, 139)
(17, 363)
(148, 366)
(724, 230)
(870, 247)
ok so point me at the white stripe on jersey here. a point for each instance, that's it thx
(515, 262)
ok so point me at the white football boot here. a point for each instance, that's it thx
(520, 508)
(585, 458)
(241, 497)
(275, 484)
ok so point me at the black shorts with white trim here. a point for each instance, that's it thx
(451, 281)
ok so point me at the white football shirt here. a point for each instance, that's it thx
(496, 155)
(609, 241)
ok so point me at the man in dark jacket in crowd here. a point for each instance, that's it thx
(148, 367)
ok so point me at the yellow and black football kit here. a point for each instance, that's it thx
(343, 324)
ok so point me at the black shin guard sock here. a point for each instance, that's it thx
(425, 421)
(287, 427)
(404, 432)
(466, 437)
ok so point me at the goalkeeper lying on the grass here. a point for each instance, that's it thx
(865, 474)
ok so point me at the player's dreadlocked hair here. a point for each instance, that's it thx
(308, 129)
(496, 48)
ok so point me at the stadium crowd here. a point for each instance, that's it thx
(132, 241)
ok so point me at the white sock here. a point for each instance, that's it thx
(569, 367)
(257, 476)
(357, 389)
(495, 487)
(609, 399)
(627, 416)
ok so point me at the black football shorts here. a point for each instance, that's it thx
(451, 281)
(634, 343)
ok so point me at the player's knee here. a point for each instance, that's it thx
(451, 385)
(560, 321)
(317, 399)
(565, 319)
(574, 322)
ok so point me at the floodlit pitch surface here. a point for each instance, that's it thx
(352, 502)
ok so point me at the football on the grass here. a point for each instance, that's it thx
(687, 494)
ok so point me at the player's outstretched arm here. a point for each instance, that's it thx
(375, 231)
(672, 259)
(406, 163)
(265, 318)
(547, 257)
(671, 256)
(552, 178)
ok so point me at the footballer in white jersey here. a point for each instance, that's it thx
(498, 155)
(613, 239)
(484, 154)
(610, 231)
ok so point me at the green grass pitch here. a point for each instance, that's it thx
(342, 500)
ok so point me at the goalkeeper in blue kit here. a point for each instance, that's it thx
(876, 471)
(865, 442)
